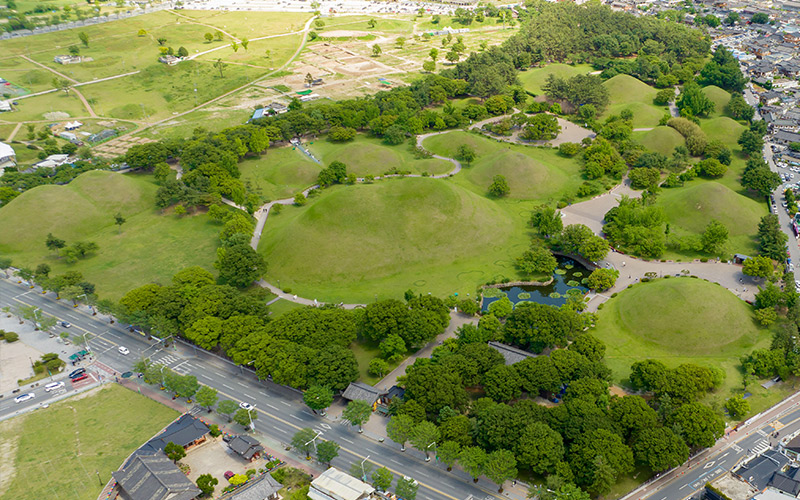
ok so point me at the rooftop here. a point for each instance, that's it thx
(334, 484)
(154, 477)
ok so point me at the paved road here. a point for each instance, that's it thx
(281, 410)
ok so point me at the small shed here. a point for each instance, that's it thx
(264, 487)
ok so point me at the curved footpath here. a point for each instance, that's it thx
(589, 213)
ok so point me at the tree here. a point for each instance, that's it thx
(759, 178)
(739, 109)
(715, 235)
(737, 407)
(206, 482)
(209, 37)
(502, 383)
(206, 396)
(5, 264)
(84, 38)
(245, 418)
(54, 244)
(227, 407)
(245, 43)
(161, 40)
(644, 178)
(399, 42)
(771, 239)
(318, 398)
(357, 412)
(602, 279)
(376, 50)
(183, 52)
(660, 449)
(537, 260)
(382, 479)
(303, 440)
(759, 267)
(406, 488)
(499, 186)
(700, 425)
(664, 96)
(300, 199)
(453, 55)
(473, 460)
(546, 220)
(434, 53)
(327, 451)
(500, 467)
(466, 153)
(540, 448)
(220, 66)
(378, 367)
(429, 66)
(399, 429)
(372, 23)
(759, 18)
(218, 35)
(751, 142)
(423, 435)
(501, 308)
(119, 220)
(239, 265)
(598, 457)
(693, 101)
(174, 451)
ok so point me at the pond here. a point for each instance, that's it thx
(569, 275)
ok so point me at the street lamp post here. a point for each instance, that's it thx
(314, 440)
(427, 458)
(250, 415)
(85, 343)
(36, 317)
(162, 375)
(363, 472)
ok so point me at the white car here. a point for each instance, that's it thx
(245, 406)
(24, 397)
(123, 350)
(52, 386)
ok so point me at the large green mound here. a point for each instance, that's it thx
(719, 97)
(661, 139)
(149, 247)
(724, 129)
(358, 241)
(692, 207)
(367, 156)
(533, 79)
(532, 173)
(280, 173)
(627, 92)
(676, 321)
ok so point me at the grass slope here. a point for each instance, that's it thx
(539, 174)
(280, 173)
(627, 92)
(355, 242)
(369, 156)
(679, 320)
(150, 247)
(661, 139)
(65, 444)
(689, 210)
(533, 79)
(719, 97)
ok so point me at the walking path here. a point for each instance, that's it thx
(51, 70)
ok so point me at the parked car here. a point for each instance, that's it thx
(75, 373)
(52, 386)
(24, 397)
(80, 377)
(228, 475)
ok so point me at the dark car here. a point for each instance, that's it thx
(75, 373)
(65, 324)
(80, 377)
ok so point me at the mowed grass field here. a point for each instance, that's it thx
(354, 243)
(370, 156)
(149, 247)
(662, 139)
(682, 320)
(719, 97)
(627, 92)
(532, 173)
(62, 446)
(280, 173)
(534, 79)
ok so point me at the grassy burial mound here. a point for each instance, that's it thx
(534, 79)
(719, 97)
(368, 156)
(662, 139)
(689, 210)
(355, 242)
(148, 247)
(679, 320)
(627, 92)
(539, 174)
(280, 173)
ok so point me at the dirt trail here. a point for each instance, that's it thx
(62, 75)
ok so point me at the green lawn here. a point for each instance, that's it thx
(689, 210)
(719, 97)
(532, 173)
(39, 107)
(364, 354)
(662, 139)
(26, 74)
(356, 243)
(359, 23)
(680, 320)
(211, 120)
(370, 156)
(149, 248)
(64, 446)
(280, 173)
(533, 79)
(627, 92)
(283, 306)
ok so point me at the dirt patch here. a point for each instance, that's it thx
(15, 364)
(618, 391)
(342, 33)
(56, 115)
(10, 431)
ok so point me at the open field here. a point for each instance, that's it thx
(662, 139)
(280, 173)
(370, 156)
(533, 79)
(47, 107)
(364, 354)
(354, 243)
(84, 211)
(533, 173)
(681, 320)
(63, 446)
(25, 74)
(627, 92)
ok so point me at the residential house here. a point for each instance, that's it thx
(264, 487)
(792, 448)
(771, 97)
(246, 447)
(785, 138)
(186, 431)
(64, 59)
(759, 471)
(169, 60)
(334, 484)
(152, 477)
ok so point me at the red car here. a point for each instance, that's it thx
(82, 376)
(228, 475)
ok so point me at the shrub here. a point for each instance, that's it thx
(696, 140)
(11, 337)
(214, 430)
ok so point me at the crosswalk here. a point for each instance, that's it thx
(174, 363)
(760, 447)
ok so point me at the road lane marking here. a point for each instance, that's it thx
(279, 429)
(298, 418)
(287, 404)
(228, 387)
(245, 386)
(263, 393)
(273, 407)
(395, 461)
(345, 439)
(205, 376)
(248, 396)
(684, 486)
